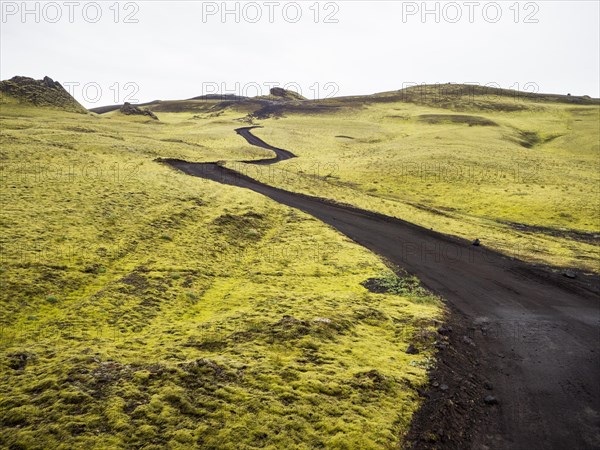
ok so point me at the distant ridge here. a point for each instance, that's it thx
(474, 90)
(450, 95)
(109, 108)
(42, 93)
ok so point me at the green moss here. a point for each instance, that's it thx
(393, 284)
(191, 314)
(20, 416)
(116, 419)
(522, 186)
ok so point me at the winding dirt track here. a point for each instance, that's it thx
(280, 154)
(541, 350)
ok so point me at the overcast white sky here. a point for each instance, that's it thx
(184, 49)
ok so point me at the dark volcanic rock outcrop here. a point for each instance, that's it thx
(44, 93)
(131, 110)
(284, 94)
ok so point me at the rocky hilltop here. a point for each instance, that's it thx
(131, 110)
(43, 93)
(285, 94)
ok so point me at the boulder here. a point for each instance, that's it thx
(569, 274)
(490, 400)
(412, 350)
(285, 94)
(131, 110)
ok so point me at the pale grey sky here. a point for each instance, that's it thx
(171, 50)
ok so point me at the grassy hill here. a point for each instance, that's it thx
(520, 173)
(145, 308)
(44, 93)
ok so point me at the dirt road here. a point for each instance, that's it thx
(280, 154)
(535, 332)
